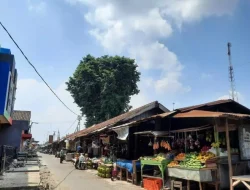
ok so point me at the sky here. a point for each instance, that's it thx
(179, 45)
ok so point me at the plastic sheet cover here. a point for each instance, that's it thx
(122, 133)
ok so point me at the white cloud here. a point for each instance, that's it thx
(156, 56)
(137, 28)
(238, 97)
(46, 109)
(37, 6)
(195, 10)
(205, 75)
(171, 84)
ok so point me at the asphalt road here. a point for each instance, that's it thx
(80, 179)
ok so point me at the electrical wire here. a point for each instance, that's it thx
(54, 123)
(35, 69)
(71, 125)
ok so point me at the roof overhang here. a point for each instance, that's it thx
(209, 114)
(154, 133)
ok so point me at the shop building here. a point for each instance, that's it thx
(8, 81)
(98, 131)
(200, 146)
(18, 133)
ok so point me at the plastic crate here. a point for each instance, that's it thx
(152, 184)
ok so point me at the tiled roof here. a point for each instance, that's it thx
(120, 118)
(21, 115)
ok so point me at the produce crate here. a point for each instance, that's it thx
(152, 184)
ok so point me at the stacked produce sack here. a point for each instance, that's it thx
(104, 171)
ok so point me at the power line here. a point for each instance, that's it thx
(72, 124)
(35, 69)
(55, 123)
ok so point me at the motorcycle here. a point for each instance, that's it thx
(79, 165)
(62, 158)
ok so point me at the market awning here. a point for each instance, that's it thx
(153, 133)
(209, 114)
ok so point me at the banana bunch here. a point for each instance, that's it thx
(203, 157)
(215, 144)
(159, 158)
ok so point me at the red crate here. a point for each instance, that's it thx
(152, 184)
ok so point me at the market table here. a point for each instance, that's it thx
(240, 179)
(161, 164)
(198, 175)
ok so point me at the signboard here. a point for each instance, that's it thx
(244, 142)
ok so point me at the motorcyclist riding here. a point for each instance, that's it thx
(62, 155)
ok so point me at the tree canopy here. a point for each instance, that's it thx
(102, 87)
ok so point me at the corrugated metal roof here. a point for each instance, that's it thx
(120, 118)
(209, 114)
(21, 115)
(189, 108)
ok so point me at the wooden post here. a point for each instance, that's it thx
(229, 155)
(136, 147)
(216, 135)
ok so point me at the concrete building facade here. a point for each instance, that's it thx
(8, 81)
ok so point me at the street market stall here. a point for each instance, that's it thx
(159, 161)
(226, 148)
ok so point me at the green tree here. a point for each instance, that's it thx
(102, 87)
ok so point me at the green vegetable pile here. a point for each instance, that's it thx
(104, 171)
(89, 165)
(191, 162)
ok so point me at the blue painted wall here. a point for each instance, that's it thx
(8, 80)
(5, 51)
(11, 135)
(4, 79)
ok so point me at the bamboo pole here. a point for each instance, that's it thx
(229, 155)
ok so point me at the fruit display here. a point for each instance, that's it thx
(204, 156)
(159, 158)
(180, 157)
(146, 158)
(215, 144)
(165, 145)
(104, 171)
(205, 148)
(173, 164)
(191, 162)
(156, 146)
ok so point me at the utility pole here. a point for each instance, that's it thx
(231, 74)
(78, 127)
